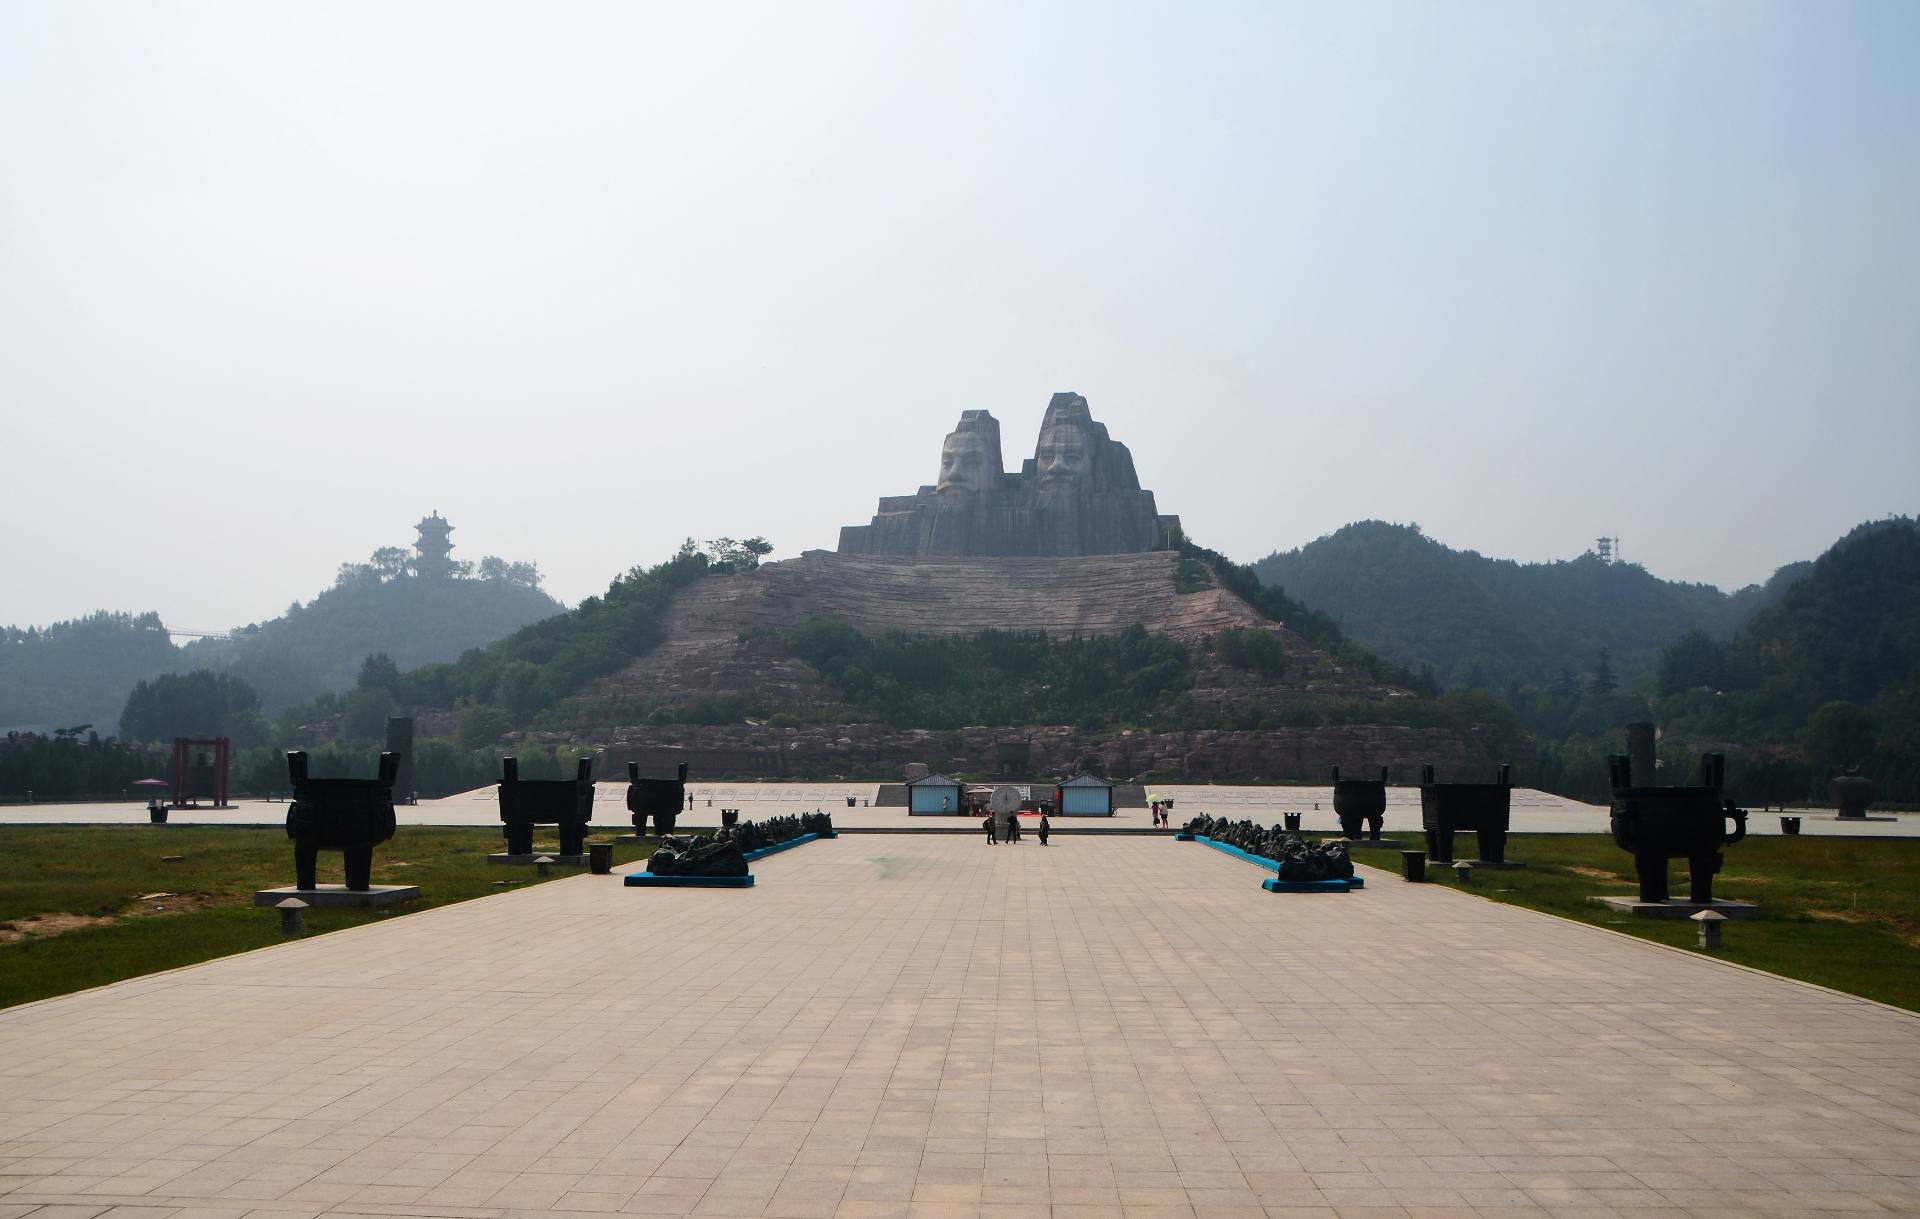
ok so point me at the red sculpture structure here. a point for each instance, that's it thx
(183, 793)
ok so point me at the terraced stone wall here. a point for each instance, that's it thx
(870, 751)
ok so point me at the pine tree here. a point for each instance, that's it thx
(1603, 681)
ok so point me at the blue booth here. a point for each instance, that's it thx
(935, 795)
(1085, 795)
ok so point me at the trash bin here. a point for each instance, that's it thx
(849, 801)
(157, 813)
(1413, 865)
(1789, 825)
(729, 817)
(1293, 822)
(600, 858)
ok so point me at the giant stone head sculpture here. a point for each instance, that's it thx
(1065, 455)
(970, 457)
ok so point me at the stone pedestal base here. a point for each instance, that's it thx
(339, 895)
(1367, 844)
(570, 861)
(1677, 908)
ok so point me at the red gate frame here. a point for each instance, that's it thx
(222, 761)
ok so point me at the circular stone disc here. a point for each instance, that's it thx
(1005, 799)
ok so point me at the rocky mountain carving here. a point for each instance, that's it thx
(1077, 495)
(714, 631)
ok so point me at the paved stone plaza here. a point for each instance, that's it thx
(907, 1026)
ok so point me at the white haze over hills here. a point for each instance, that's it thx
(276, 280)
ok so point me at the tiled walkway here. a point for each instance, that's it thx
(908, 1026)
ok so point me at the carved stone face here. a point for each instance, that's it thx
(969, 461)
(1065, 455)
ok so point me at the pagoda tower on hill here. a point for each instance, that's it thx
(434, 547)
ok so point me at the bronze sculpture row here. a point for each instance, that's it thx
(355, 815)
(1653, 824)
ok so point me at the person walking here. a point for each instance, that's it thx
(1045, 826)
(993, 835)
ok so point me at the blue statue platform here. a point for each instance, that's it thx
(647, 880)
(1335, 885)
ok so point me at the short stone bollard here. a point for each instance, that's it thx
(1709, 923)
(290, 923)
(1463, 872)
(1789, 825)
(1413, 865)
(600, 858)
(543, 865)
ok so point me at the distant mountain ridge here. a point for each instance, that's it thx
(1850, 630)
(81, 671)
(1496, 623)
(415, 620)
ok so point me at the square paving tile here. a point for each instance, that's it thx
(922, 1027)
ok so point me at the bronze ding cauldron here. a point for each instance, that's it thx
(564, 803)
(345, 815)
(1450, 808)
(1656, 824)
(1357, 800)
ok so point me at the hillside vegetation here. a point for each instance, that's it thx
(1496, 624)
(79, 672)
(320, 646)
(1829, 676)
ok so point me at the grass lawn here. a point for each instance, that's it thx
(82, 906)
(1843, 913)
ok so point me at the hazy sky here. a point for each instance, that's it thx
(277, 279)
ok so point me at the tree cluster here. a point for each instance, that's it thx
(390, 563)
(1496, 624)
(1000, 677)
(1827, 677)
(79, 671)
(75, 763)
(197, 704)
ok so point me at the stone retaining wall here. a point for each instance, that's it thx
(877, 751)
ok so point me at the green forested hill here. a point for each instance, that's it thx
(319, 646)
(1497, 624)
(1849, 631)
(1827, 677)
(79, 672)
